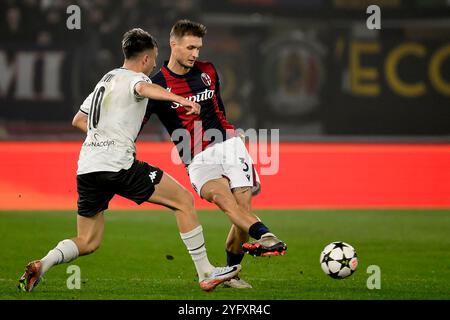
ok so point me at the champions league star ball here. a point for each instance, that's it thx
(338, 260)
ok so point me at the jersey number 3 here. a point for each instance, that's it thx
(94, 112)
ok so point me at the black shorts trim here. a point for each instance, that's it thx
(96, 189)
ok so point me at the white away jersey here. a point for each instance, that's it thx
(115, 117)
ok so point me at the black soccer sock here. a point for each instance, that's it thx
(234, 258)
(257, 230)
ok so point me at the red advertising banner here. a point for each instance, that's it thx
(42, 176)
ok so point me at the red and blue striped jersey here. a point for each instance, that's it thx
(202, 85)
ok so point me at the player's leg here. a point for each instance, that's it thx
(218, 191)
(143, 182)
(89, 233)
(244, 181)
(92, 201)
(234, 255)
(209, 177)
(88, 239)
(236, 236)
(169, 193)
(267, 244)
(235, 239)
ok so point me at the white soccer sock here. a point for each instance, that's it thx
(195, 243)
(65, 251)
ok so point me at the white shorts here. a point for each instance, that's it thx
(229, 159)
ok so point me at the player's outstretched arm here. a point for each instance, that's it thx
(156, 92)
(80, 121)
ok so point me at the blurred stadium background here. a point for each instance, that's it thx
(363, 114)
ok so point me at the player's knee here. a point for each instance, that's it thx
(87, 246)
(186, 202)
(92, 246)
(217, 198)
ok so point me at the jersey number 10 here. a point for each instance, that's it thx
(94, 112)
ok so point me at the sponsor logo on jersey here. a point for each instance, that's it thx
(206, 79)
(105, 143)
(201, 96)
(96, 143)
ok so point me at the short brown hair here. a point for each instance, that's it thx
(188, 28)
(135, 41)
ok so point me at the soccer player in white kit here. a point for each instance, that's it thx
(112, 116)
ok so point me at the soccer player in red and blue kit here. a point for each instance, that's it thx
(219, 166)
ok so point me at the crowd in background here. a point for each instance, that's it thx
(282, 63)
(42, 23)
(95, 47)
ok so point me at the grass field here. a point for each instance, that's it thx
(412, 248)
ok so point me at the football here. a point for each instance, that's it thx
(338, 260)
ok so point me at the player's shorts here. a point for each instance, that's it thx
(229, 159)
(96, 189)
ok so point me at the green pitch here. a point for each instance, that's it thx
(143, 257)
